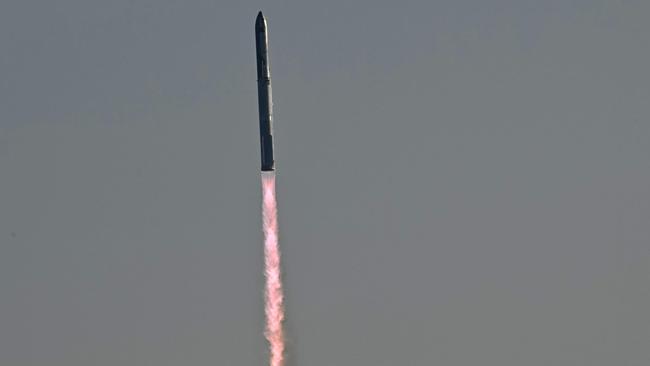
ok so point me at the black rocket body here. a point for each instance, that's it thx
(264, 93)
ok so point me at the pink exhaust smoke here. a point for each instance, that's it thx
(273, 292)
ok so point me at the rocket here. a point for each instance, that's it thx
(264, 93)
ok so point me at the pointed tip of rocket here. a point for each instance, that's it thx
(260, 21)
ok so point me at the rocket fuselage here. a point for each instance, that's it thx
(264, 93)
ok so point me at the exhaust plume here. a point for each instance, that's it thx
(273, 296)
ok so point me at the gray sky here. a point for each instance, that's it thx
(460, 182)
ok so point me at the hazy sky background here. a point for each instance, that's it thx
(460, 182)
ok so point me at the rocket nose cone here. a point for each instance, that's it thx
(260, 22)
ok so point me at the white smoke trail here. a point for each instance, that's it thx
(273, 306)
